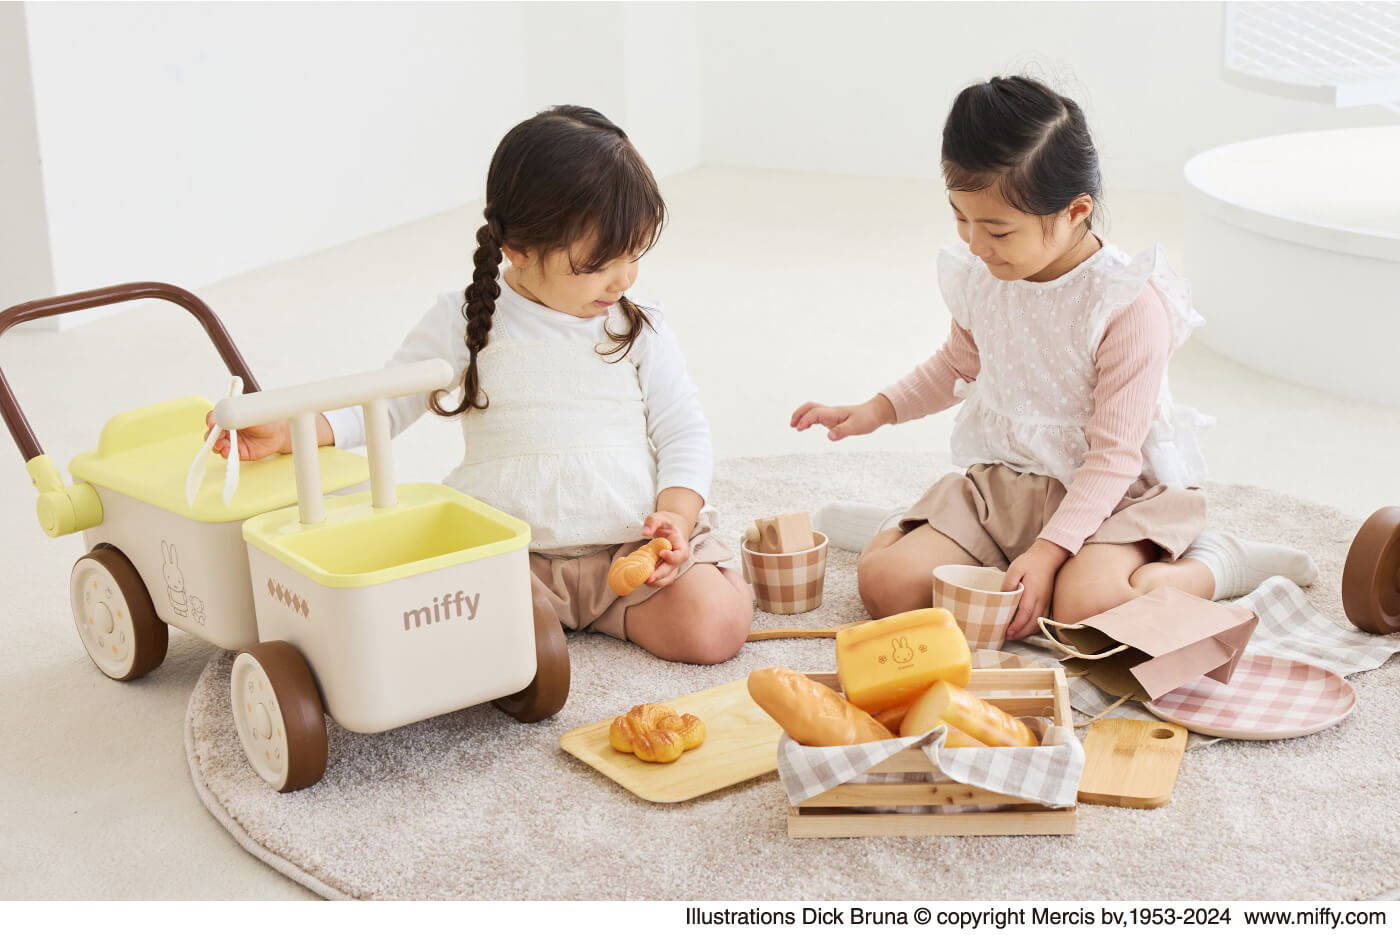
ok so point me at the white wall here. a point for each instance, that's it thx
(635, 62)
(194, 141)
(863, 88)
(26, 270)
(189, 142)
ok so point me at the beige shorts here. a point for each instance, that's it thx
(576, 592)
(995, 513)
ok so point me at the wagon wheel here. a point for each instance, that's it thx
(1371, 577)
(115, 617)
(277, 711)
(549, 689)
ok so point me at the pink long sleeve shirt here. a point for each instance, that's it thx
(1130, 363)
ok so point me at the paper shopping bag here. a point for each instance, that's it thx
(1157, 642)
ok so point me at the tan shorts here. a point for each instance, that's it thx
(575, 590)
(995, 513)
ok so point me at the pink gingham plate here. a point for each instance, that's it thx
(1268, 698)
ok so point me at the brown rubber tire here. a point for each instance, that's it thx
(150, 636)
(549, 689)
(308, 748)
(1371, 577)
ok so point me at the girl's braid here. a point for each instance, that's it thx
(478, 308)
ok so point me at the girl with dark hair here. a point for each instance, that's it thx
(576, 409)
(1081, 473)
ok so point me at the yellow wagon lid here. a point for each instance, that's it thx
(146, 454)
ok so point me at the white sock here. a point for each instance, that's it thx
(1241, 565)
(851, 525)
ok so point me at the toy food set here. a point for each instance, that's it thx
(361, 600)
(1164, 639)
(630, 572)
(848, 773)
(1131, 763)
(786, 582)
(973, 595)
(913, 786)
(740, 744)
(656, 733)
(1371, 576)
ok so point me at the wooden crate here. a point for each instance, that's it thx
(1020, 692)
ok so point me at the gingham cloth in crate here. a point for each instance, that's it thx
(1289, 627)
(787, 583)
(1048, 774)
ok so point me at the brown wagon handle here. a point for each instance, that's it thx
(19, 426)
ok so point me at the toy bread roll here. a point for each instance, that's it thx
(630, 571)
(964, 711)
(893, 718)
(811, 713)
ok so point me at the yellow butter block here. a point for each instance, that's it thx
(884, 663)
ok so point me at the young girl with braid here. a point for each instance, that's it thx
(1081, 474)
(576, 410)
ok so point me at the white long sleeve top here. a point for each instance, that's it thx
(573, 444)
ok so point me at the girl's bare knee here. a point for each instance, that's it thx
(717, 626)
(886, 587)
(1077, 600)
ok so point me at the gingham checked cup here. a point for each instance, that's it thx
(973, 595)
(786, 582)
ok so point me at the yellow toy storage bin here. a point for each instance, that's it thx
(402, 614)
(154, 558)
(191, 558)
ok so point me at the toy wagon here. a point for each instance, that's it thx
(407, 601)
(1371, 576)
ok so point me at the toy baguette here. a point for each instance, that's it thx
(811, 713)
(965, 712)
(630, 571)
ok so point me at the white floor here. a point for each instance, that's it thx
(783, 287)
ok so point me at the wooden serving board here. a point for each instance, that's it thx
(741, 742)
(1131, 763)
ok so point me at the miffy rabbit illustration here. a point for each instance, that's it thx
(174, 580)
(902, 652)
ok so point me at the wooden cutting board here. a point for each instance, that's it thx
(1131, 763)
(741, 742)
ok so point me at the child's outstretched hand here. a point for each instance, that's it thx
(667, 524)
(843, 421)
(1036, 569)
(256, 441)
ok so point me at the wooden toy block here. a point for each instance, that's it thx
(789, 532)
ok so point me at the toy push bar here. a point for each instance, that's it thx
(301, 404)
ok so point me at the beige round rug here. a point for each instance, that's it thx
(473, 805)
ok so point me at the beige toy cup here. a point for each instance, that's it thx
(973, 595)
(786, 582)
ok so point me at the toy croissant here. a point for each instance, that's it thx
(656, 733)
(629, 571)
